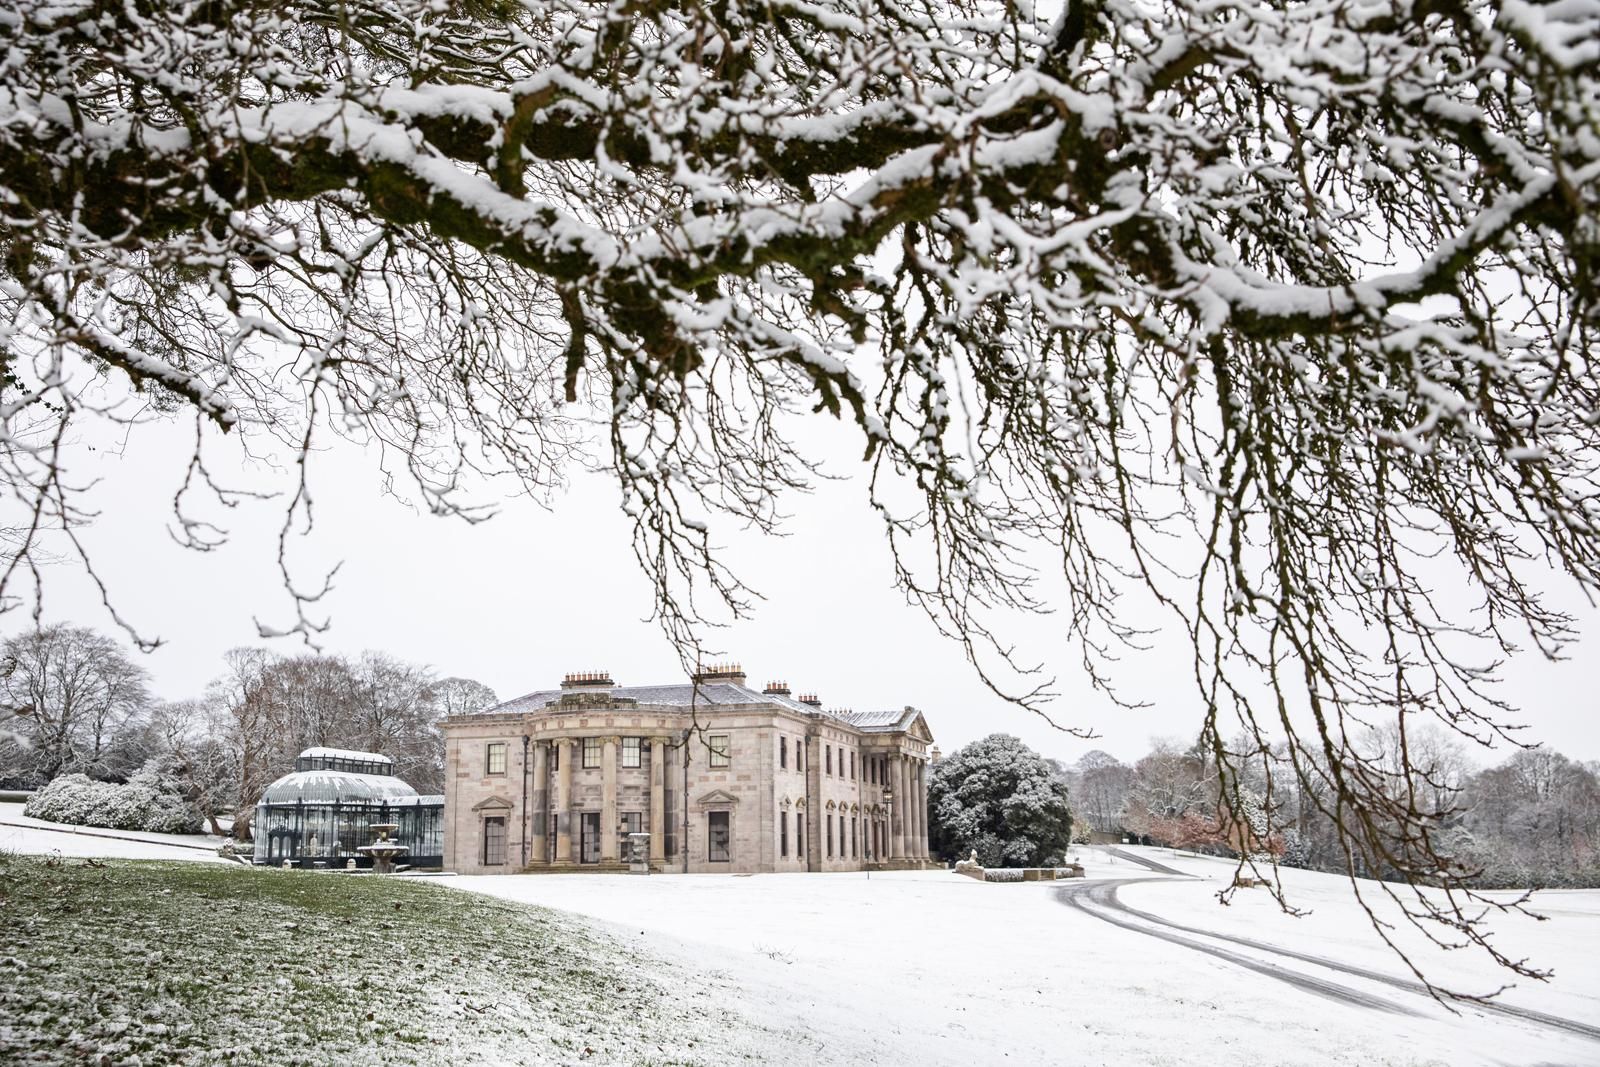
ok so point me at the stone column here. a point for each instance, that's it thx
(540, 804)
(922, 809)
(902, 806)
(564, 801)
(912, 815)
(914, 845)
(658, 800)
(608, 800)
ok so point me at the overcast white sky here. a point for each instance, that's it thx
(521, 600)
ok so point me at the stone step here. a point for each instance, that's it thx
(584, 868)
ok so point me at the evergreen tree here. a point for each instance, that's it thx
(1002, 799)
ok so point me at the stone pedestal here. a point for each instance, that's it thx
(638, 847)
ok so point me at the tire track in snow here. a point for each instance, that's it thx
(1108, 899)
(1099, 899)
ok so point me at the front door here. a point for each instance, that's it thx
(590, 824)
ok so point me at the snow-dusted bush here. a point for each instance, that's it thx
(1296, 849)
(1003, 874)
(151, 800)
(999, 798)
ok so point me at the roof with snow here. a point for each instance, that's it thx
(328, 787)
(711, 694)
(346, 754)
(682, 695)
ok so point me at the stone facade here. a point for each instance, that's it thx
(723, 778)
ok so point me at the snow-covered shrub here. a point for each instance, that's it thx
(1296, 849)
(1003, 874)
(1001, 799)
(151, 800)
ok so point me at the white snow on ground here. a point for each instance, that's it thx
(1568, 943)
(11, 814)
(18, 833)
(934, 968)
(30, 841)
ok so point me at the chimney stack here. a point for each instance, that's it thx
(730, 673)
(777, 689)
(588, 680)
(810, 698)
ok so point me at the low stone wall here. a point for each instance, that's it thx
(1018, 874)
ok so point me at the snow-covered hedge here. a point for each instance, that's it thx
(1002, 874)
(150, 801)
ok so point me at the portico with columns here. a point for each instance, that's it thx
(722, 778)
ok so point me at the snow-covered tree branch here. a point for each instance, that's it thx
(1280, 314)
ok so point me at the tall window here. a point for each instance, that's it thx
(494, 841)
(632, 823)
(799, 754)
(827, 758)
(783, 752)
(783, 834)
(717, 836)
(841, 837)
(632, 751)
(799, 833)
(852, 766)
(591, 753)
(495, 758)
(719, 750)
(854, 848)
(827, 823)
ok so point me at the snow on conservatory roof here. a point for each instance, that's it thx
(328, 787)
(346, 754)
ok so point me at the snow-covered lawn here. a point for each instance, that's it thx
(932, 968)
(908, 968)
(158, 963)
(19, 833)
(38, 842)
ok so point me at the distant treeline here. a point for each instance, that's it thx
(1531, 820)
(72, 701)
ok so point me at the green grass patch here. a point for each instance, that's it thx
(135, 962)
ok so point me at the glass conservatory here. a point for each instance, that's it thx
(323, 812)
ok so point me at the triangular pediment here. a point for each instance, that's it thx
(918, 729)
(494, 803)
(717, 798)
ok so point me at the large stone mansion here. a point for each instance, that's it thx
(722, 778)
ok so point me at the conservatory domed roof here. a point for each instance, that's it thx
(327, 787)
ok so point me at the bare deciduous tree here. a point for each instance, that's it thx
(75, 700)
(1099, 784)
(279, 706)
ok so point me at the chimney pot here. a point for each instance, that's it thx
(719, 672)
